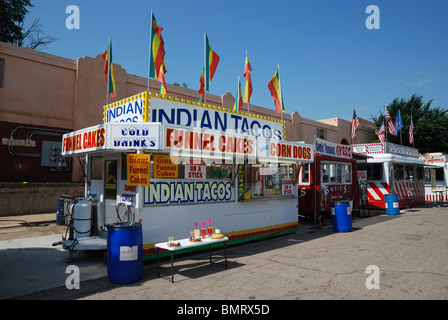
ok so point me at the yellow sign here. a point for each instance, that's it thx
(164, 167)
(138, 168)
(131, 109)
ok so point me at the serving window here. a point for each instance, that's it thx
(408, 172)
(304, 175)
(256, 181)
(375, 171)
(336, 173)
(268, 180)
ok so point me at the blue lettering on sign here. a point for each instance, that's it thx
(322, 147)
(178, 192)
(205, 122)
(330, 150)
(252, 130)
(216, 120)
(128, 112)
(264, 148)
(134, 136)
(221, 124)
(179, 117)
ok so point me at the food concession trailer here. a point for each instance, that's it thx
(330, 178)
(393, 169)
(173, 163)
(436, 176)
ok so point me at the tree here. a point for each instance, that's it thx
(430, 124)
(12, 14)
(33, 37)
(12, 25)
(183, 84)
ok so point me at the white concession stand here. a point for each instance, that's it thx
(436, 176)
(392, 169)
(170, 163)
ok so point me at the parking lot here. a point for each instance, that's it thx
(392, 257)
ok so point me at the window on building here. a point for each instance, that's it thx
(96, 168)
(267, 180)
(440, 174)
(321, 133)
(375, 171)
(412, 173)
(347, 173)
(304, 177)
(419, 173)
(325, 172)
(254, 180)
(2, 71)
(398, 171)
(332, 172)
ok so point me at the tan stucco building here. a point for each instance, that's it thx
(42, 96)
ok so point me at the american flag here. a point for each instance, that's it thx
(390, 124)
(381, 133)
(355, 124)
(411, 132)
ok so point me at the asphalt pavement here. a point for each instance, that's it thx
(384, 257)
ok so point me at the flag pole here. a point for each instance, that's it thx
(281, 93)
(237, 99)
(108, 72)
(385, 116)
(150, 49)
(205, 68)
(248, 104)
(401, 129)
(401, 140)
(353, 138)
(412, 123)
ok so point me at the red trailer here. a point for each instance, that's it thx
(331, 177)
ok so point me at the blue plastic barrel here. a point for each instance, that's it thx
(124, 252)
(391, 204)
(60, 217)
(341, 217)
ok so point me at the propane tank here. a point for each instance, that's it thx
(82, 217)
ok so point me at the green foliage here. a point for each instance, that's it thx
(430, 124)
(12, 15)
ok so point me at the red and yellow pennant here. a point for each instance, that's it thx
(248, 85)
(202, 87)
(211, 63)
(157, 68)
(276, 93)
(162, 78)
(109, 70)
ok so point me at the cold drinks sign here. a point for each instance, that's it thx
(117, 136)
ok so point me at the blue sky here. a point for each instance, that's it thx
(329, 61)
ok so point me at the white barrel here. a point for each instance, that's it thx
(82, 216)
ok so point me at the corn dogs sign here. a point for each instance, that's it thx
(218, 145)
